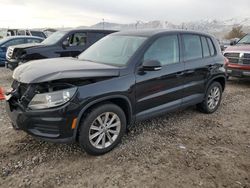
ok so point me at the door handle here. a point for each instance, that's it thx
(178, 74)
(190, 71)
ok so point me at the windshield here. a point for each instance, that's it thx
(114, 50)
(54, 38)
(245, 40)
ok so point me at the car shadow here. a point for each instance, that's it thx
(239, 81)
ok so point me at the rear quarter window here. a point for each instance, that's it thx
(205, 47)
(211, 47)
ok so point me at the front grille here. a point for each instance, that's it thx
(246, 59)
(238, 58)
(232, 57)
(48, 129)
(9, 53)
(247, 56)
(19, 87)
(22, 89)
(21, 94)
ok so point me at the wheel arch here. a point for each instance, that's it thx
(120, 100)
(221, 79)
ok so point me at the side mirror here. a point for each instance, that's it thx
(65, 44)
(151, 65)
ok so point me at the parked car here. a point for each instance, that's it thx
(67, 43)
(123, 78)
(10, 41)
(238, 56)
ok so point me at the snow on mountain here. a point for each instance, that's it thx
(218, 27)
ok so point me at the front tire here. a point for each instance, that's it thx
(102, 129)
(212, 99)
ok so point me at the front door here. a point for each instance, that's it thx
(77, 43)
(160, 91)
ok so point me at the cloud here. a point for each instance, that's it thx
(57, 13)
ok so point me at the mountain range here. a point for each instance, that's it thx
(217, 27)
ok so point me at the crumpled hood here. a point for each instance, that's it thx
(61, 68)
(238, 48)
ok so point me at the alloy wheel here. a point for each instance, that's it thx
(104, 130)
(214, 98)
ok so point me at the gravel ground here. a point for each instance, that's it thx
(181, 149)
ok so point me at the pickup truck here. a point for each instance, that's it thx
(65, 43)
(238, 55)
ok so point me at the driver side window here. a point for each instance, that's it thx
(77, 39)
(164, 49)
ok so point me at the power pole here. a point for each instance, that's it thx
(103, 23)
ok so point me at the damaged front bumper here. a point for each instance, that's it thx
(53, 124)
(11, 64)
(50, 125)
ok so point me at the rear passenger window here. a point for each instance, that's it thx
(192, 47)
(164, 49)
(211, 47)
(206, 52)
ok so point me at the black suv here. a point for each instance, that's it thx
(123, 78)
(66, 43)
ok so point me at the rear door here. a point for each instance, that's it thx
(198, 59)
(160, 91)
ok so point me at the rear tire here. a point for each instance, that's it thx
(102, 129)
(212, 99)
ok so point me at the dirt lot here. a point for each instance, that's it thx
(181, 149)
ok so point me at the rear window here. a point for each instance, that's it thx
(192, 47)
(38, 34)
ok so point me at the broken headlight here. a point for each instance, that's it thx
(51, 99)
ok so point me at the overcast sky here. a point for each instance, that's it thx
(70, 13)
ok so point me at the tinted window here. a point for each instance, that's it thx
(14, 42)
(192, 47)
(77, 39)
(21, 32)
(164, 49)
(206, 52)
(211, 47)
(33, 40)
(38, 34)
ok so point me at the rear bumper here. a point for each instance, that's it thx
(236, 70)
(52, 125)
